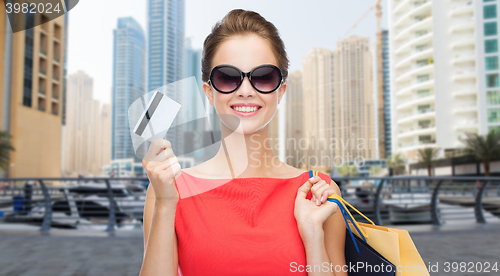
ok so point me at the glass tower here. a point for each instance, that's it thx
(129, 65)
(166, 50)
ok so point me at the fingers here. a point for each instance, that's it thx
(162, 166)
(176, 168)
(318, 189)
(304, 189)
(321, 191)
(328, 192)
(160, 157)
(314, 179)
(158, 150)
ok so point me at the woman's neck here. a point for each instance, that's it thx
(247, 155)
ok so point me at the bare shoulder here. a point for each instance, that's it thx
(335, 186)
(290, 171)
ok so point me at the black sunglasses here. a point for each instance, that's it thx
(264, 78)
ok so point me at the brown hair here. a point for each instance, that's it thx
(242, 22)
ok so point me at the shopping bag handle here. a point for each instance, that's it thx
(345, 213)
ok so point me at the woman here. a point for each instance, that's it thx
(262, 220)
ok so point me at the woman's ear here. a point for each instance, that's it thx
(208, 92)
(281, 92)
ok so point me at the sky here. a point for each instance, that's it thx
(303, 25)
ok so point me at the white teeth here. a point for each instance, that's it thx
(245, 108)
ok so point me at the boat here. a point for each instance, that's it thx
(86, 206)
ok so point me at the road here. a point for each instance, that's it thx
(66, 252)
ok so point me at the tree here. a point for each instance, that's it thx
(348, 170)
(5, 147)
(397, 163)
(375, 170)
(485, 147)
(428, 156)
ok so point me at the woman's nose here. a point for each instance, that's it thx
(246, 89)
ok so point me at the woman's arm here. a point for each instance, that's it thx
(160, 240)
(334, 229)
(324, 243)
(159, 235)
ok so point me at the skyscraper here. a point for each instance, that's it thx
(86, 135)
(486, 25)
(353, 106)
(105, 134)
(192, 98)
(31, 77)
(443, 69)
(317, 98)
(165, 42)
(129, 64)
(274, 134)
(166, 51)
(294, 120)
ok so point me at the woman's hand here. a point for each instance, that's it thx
(162, 167)
(314, 212)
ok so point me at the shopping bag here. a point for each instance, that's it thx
(397, 246)
(367, 261)
(391, 244)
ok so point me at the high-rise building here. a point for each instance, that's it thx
(353, 100)
(166, 51)
(317, 98)
(105, 134)
(165, 42)
(86, 135)
(192, 62)
(193, 100)
(129, 64)
(274, 133)
(439, 75)
(31, 93)
(486, 17)
(195, 96)
(386, 120)
(294, 120)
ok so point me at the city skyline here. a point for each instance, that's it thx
(200, 18)
(442, 70)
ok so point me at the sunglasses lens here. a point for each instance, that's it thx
(266, 79)
(226, 79)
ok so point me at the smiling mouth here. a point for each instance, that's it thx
(246, 109)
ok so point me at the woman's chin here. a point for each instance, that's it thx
(243, 128)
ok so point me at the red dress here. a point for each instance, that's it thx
(243, 227)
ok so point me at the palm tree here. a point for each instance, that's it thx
(485, 147)
(427, 156)
(375, 170)
(348, 170)
(5, 147)
(396, 162)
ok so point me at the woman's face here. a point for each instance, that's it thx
(245, 52)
